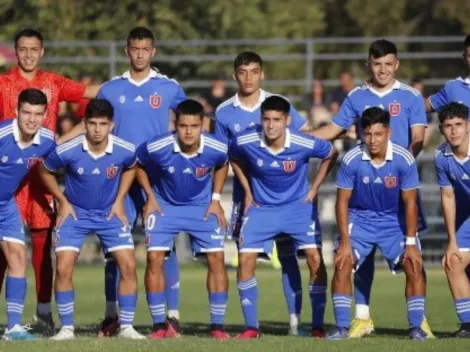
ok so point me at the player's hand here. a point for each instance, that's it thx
(151, 206)
(118, 210)
(451, 250)
(249, 202)
(216, 209)
(311, 195)
(65, 210)
(414, 256)
(343, 254)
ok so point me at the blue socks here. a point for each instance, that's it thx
(462, 306)
(248, 291)
(415, 309)
(342, 310)
(15, 293)
(218, 305)
(363, 278)
(65, 304)
(172, 281)
(127, 305)
(291, 279)
(318, 300)
(156, 303)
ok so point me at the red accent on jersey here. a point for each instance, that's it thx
(390, 182)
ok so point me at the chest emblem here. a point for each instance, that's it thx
(394, 109)
(155, 101)
(201, 171)
(32, 162)
(289, 165)
(390, 181)
(111, 171)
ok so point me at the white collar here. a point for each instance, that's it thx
(152, 74)
(388, 153)
(108, 150)
(466, 80)
(238, 103)
(448, 150)
(177, 148)
(396, 85)
(262, 143)
(16, 133)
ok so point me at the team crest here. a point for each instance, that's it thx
(289, 165)
(390, 181)
(155, 101)
(394, 109)
(122, 99)
(259, 162)
(32, 162)
(201, 171)
(4, 159)
(365, 179)
(111, 171)
(237, 127)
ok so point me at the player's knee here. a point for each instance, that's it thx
(128, 270)
(413, 273)
(314, 258)
(64, 271)
(16, 257)
(456, 267)
(344, 269)
(216, 261)
(246, 265)
(155, 261)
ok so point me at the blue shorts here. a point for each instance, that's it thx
(161, 231)
(463, 236)
(112, 234)
(261, 225)
(11, 225)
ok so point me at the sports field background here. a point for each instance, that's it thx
(388, 312)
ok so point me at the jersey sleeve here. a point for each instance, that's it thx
(53, 161)
(297, 121)
(69, 90)
(346, 176)
(143, 155)
(409, 178)
(443, 179)
(417, 115)
(179, 96)
(101, 94)
(234, 150)
(346, 115)
(131, 160)
(440, 99)
(221, 131)
(321, 149)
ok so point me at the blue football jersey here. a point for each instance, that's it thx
(455, 90)
(92, 181)
(142, 109)
(177, 178)
(278, 178)
(405, 105)
(376, 194)
(16, 160)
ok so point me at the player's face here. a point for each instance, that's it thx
(455, 130)
(249, 78)
(376, 138)
(383, 69)
(98, 129)
(189, 130)
(30, 118)
(274, 124)
(140, 52)
(29, 51)
(466, 57)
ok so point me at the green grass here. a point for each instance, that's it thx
(388, 311)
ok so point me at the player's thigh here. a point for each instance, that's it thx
(11, 224)
(161, 231)
(206, 234)
(71, 235)
(114, 235)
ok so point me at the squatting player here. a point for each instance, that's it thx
(23, 142)
(95, 165)
(271, 162)
(182, 195)
(453, 176)
(376, 207)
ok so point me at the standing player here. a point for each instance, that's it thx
(23, 142)
(34, 203)
(271, 163)
(408, 122)
(453, 170)
(98, 174)
(375, 182)
(456, 90)
(233, 117)
(179, 166)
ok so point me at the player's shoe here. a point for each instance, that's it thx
(65, 333)
(18, 333)
(219, 334)
(173, 328)
(296, 331)
(361, 327)
(318, 333)
(463, 332)
(130, 333)
(418, 334)
(427, 329)
(338, 334)
(108, 327)
(158, 332)
(248, 334)
(44, 323)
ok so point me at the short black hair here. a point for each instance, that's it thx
(246, 58)
(453, 110)
(415, 80)
(276, 103)
(140, 33)
(32, 96)
(189, 107)
(58, 127)
(374, 115)
(28, 33)
(99, 108)
(381, 48)
(466, 42)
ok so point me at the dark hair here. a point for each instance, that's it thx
(28, 33)
(466, 42)
(246, 58)
(99, 108)
(140, 33)
(374, 115)
(189, 107)
(415, 80)
(453, 110)
(381, 48)
(32, 96)
(75, 121)
(276, 103)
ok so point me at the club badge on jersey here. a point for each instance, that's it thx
(201, 171)
(289, 165)
(155, 101)
(33, 161)
(111, 171)
(390, 181)
(394, 109)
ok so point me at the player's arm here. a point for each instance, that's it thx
(417, 121)
(76, 131)
(428, 105)
(417, 139)
(151, 205)
(218, 181)
(91, 91)
(323, 170)
(437, 100)
(344, 250)
(409, 198)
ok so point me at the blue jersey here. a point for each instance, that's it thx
(278, 178)
(16, 160)
(178, 178)
(456, 90)
(142, 109)
(92, 181)
(405, 105)
(376, 189)
(455, 173)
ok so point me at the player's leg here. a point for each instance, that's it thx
(110, 324)
(172, 289)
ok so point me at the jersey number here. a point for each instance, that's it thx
(151, 222)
